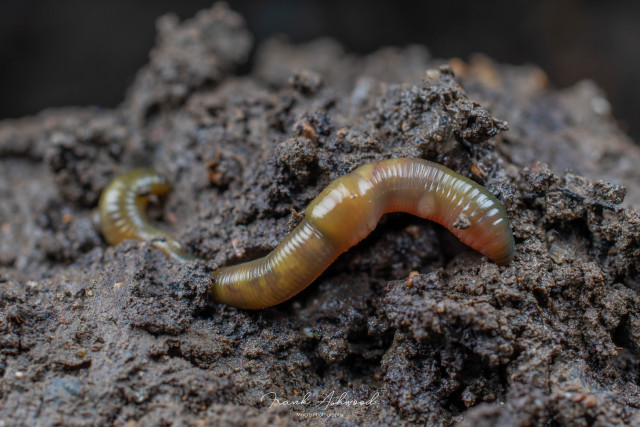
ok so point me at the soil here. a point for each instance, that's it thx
(410, 324)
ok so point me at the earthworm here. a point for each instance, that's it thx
(123, 205)
(342, 215)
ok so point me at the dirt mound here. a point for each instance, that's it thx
(409, 326)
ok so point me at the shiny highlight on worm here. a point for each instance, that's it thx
(342, 215)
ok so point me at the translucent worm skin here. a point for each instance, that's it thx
(122, 208)
(349, 209)
(342, 215)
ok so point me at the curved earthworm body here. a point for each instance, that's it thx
(343, 214)
(123, 206)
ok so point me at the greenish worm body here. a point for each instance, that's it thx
(123, 206)
(342, 215)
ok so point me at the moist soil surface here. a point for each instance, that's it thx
(409, 326)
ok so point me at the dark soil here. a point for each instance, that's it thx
(411, 322)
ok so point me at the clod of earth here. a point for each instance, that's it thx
(100, 335)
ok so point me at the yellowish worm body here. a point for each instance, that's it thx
(342, 215)
(123, 206)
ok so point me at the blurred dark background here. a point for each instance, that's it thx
(85, 52)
